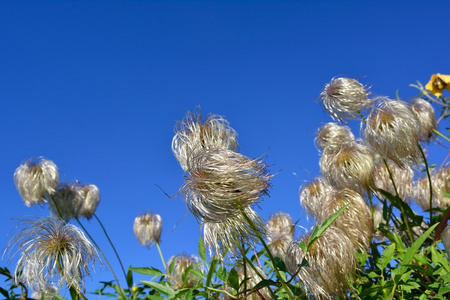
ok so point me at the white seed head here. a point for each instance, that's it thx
(246, 272)
(194, 134)
(344, 98)
(425, 116)
(402, 175)
(53, 253)
(332, 135)
(355, 221)
(91, 199)
(228, 235)
(148, 228)
(46, 293)
(331, 263)
(440, 183)
(35, 178)
(351, 166)
(280, 232)
(66, 201)
(393, 131)
(377, 220)
(313, 194)
(178, 265)
(221, 181)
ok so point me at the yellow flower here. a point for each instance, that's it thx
(438, 83)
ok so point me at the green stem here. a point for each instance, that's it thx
(441, 135)
(104, 257)
(285, 286)
(112, 245)
(161, 255)
(429, 182)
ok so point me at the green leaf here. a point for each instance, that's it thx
(163, 288)
(212, 270)
(201, 249)
(222, 273)
(265, 283)
(438, 258)
(233, 279)
(386, 257)
(147, 271)
(320, 229)
(401, 205)
(130, 278)
(4, 293)
(280, 264)
(416, 245)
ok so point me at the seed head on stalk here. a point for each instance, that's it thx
(332, 135)
(313, 194)
(147, 228)
(177, 267)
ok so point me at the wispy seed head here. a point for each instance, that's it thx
(332, 135)
(147, 228)
(313, 194)
(425, 116)
(177, 267)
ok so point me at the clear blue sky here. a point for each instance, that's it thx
(97, 86)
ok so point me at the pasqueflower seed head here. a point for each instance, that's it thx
(45, 293)
(344, 98)
(147, 228)
(351, 166)
(355, 221)
(313, 194)
(179, 273)
(401, 175)
(440, 183)
(332, 135)
(425, 116)
(194, 134)
(247, 273)
(331, 264)
(36, 178)
(229, 234)
(280, 232)
(221, 182)
(393, 131)
(53, 253)
(91, 199)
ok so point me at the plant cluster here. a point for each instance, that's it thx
(381, 213)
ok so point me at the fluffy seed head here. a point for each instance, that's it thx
(53, 253)
(377, 220)
(147, 228)
(228, 235)
(402, 176)
(446, 239)
(355, 221)
(46, 293)
(313, 194)
(194, 134)
(66, 201)
(332, 135)
(91, 198)
(252, 279)
(393, 131)
(440, 183)
(425, 116)
(177, 267)
(280, 233)
(349, 167)
(344, 98)
(331, 263)
(35, 178)
(221, 181)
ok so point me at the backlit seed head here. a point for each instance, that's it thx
(332, 136)
(280, 232)
(313, 194)
(446, 239)
(252, 279)
(66, 201)
(228, 235)
(425, 116)
(377, 220)
(351, 166)
(402, 175)
(147, 228)
(178, 271)
(344, 98)
(221, 181)
(91, 199)
(36, 178)
(53, 253)
(355, 221)
(331, 264)
(46, 293)
(440, 180)
(194, 134)
(393, 131)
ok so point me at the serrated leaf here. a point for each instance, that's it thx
(233, 279)
(320, 229)
(162, 288)
(201, 249)
(386, 256)
(147, 271)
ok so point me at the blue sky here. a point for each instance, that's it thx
(97, 87)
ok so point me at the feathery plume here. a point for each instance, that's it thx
(401, 175)
(280, 232)
(178, 265)
(332, 135)
(425, 116)
(393, 131)
(344, 98)
(147, 228)
(194, 134)
(440, 183)
(252, 279)
(221, 182)
(53, 253)
(36, 178)
(313, 194)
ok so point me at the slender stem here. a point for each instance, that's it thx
(442, 225)
(285, 286)
(104, 257)
(441, 135)
(221, 291)
(112, 245)
(161, 255)
(429, 182)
